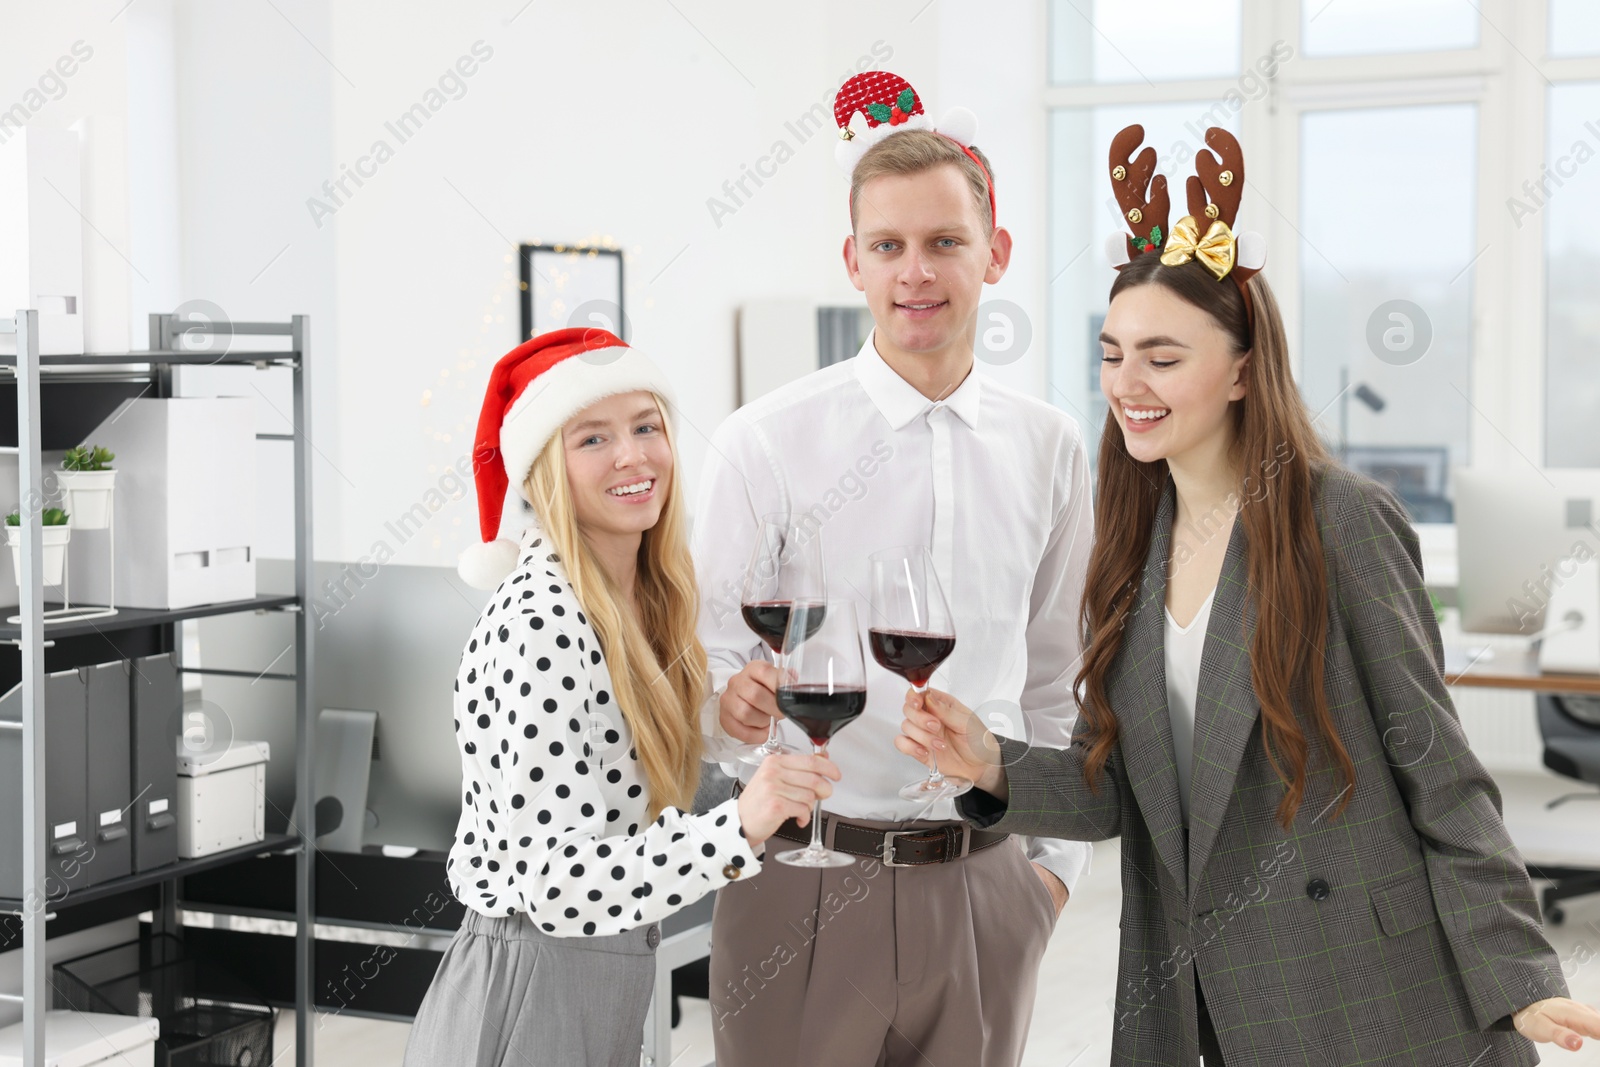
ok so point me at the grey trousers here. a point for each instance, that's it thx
(874, 966)
(506, 993)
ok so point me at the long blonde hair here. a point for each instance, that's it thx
(656, 660)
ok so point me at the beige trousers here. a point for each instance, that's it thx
(876, 966)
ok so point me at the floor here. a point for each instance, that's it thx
(1072, 1016)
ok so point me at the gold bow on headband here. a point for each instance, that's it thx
(1215, 251)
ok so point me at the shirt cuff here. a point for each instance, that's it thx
(1067, 860)
(729, 849)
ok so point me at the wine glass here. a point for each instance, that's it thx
(786, 563)
(912, 633)
(822, 687)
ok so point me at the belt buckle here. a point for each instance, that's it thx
(888, 847)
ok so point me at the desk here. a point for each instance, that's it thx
(1510, 670)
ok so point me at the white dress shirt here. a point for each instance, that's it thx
(1183, 647)
(994, 482)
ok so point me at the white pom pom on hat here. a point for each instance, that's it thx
(533, 390)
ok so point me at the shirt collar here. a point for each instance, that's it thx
(899, 401)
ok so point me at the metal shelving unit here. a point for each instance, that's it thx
(27, 367)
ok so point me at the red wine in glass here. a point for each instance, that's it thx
(913, 656)
(822, 711)
(770, 618)
(912, 633)
(822, 688)
(786, 563)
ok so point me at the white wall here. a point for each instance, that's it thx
(580, 122)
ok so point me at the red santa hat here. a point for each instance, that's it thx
(533, 390)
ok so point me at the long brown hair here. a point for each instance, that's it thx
(1276, 452)
(656, 660)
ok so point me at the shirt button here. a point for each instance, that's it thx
(730, 872)
(1317, 889)
(652, 936)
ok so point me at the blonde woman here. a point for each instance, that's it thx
(576, 713)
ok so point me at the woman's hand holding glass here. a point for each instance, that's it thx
(784, 787)
(938, 726)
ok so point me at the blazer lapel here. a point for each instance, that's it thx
(1138, 694)
(1226, 708)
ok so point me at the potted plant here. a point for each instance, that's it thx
(86, 477)
(57, 532)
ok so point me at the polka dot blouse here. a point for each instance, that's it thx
(553, 794)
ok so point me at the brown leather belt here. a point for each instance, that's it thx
(897, 848)
(916, 847)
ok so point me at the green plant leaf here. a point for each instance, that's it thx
(87, 458)
(54, 517)
(881, 112)
(14, 519)
(906, 100)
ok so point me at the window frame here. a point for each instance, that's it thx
(1507, 77)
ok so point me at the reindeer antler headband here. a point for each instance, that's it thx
(1214, 192)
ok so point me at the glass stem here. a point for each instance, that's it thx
(772, 744)
(816, 809)
(933, 757)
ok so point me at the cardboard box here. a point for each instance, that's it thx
(41, 236)
(185, 505)
(222, 797)
(84, 1039)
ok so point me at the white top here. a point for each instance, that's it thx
(994, 482)
(553, 794)
(1183, 647)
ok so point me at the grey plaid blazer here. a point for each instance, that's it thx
(1406, 931)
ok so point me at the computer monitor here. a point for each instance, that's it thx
(1519, 533)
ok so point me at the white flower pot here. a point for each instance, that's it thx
(87, 497)
(55, 551)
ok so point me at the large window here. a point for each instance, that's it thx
(1566, 192)
(1427, 176)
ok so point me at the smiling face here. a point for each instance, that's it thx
(619, 464)
(1169, 372)
(921, 253)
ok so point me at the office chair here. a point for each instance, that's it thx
(1570, 726)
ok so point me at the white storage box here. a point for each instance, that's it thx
(41, 236)
(222, 798)
(185, 505)
(82, 1039)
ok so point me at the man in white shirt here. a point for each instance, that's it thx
(930, 951)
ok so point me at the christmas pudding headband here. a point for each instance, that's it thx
(1214, 191)
(890, 106)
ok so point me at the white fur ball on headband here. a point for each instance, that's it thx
(961, 125)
